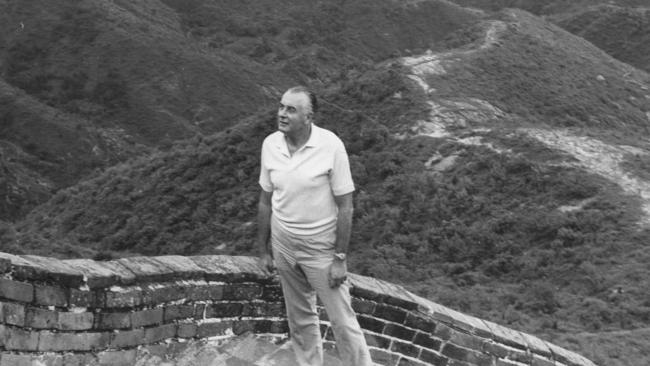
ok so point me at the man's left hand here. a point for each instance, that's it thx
(338, 273)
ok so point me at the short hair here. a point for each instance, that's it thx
(312, 97)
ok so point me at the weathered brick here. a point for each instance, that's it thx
(85, 299)
(187, 330)
(391, 313)
(371, 324)
(127, 338)
(125, 275)
(41, 318)
(52, 270)
(540, 361)
(199, 311)
(75, 321)
(407, 349)
(276, 326)
(242, 291)
(402, 303)
(17, 339)
(374, 340)
(408, 362)
(494, 349)
(146, 317)
(223, 310)
(214, 329)
(119, 320)
(123, 297)
(466, 340)
(154, 294)
(17, 359)
(433, 358)
(50, 295)
(367, 294)
(117, 358)
(146, 269)
(383, 357)
(427, 341)
(97, 274)
(13, 313)
(418, 322)
(399, 331)
(506, 336)
(272, 293)
(182, 267)
(362, 306)
(60, 341)
(521, 356)
(230, 268)
(181, 311)
(15, 290)
(243, 326)
(5, 265)
(205, 291)
(500, 362)
(443, 332)
(466, 355)
(452, 362)
(157, 334)
(80, 359)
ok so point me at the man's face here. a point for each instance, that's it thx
(294, 113)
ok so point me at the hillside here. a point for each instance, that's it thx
(488, 175)
(619, 27)
(622, 32)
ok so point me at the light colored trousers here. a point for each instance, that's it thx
(303, 265)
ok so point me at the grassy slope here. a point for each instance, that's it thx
(484, 237)
(541, 74)
(153, 72)
(622, 32)
(547, 7)
(620, 28)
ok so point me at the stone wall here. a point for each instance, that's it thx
(85, 312)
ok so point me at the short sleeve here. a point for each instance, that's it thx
(340, 176)
(265, 178)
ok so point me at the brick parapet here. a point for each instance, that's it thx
(105, 312)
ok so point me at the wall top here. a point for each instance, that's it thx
(90, 275)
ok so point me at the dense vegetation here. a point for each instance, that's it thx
(108, 80)
(508, 230)
(622, 32)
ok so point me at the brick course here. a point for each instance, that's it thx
(82, 312)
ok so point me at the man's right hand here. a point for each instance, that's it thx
(266, 262)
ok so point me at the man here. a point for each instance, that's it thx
(304, 219)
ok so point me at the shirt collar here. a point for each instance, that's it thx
(315, 139)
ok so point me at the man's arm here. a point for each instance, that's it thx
(343, 222)
(339, 269)
(264, 230)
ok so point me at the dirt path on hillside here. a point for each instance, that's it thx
(591, 154)
(600, 158)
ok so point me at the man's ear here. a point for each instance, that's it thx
(310, 117)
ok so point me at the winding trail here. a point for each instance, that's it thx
(590, 154)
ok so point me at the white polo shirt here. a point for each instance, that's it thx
(304, 185)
